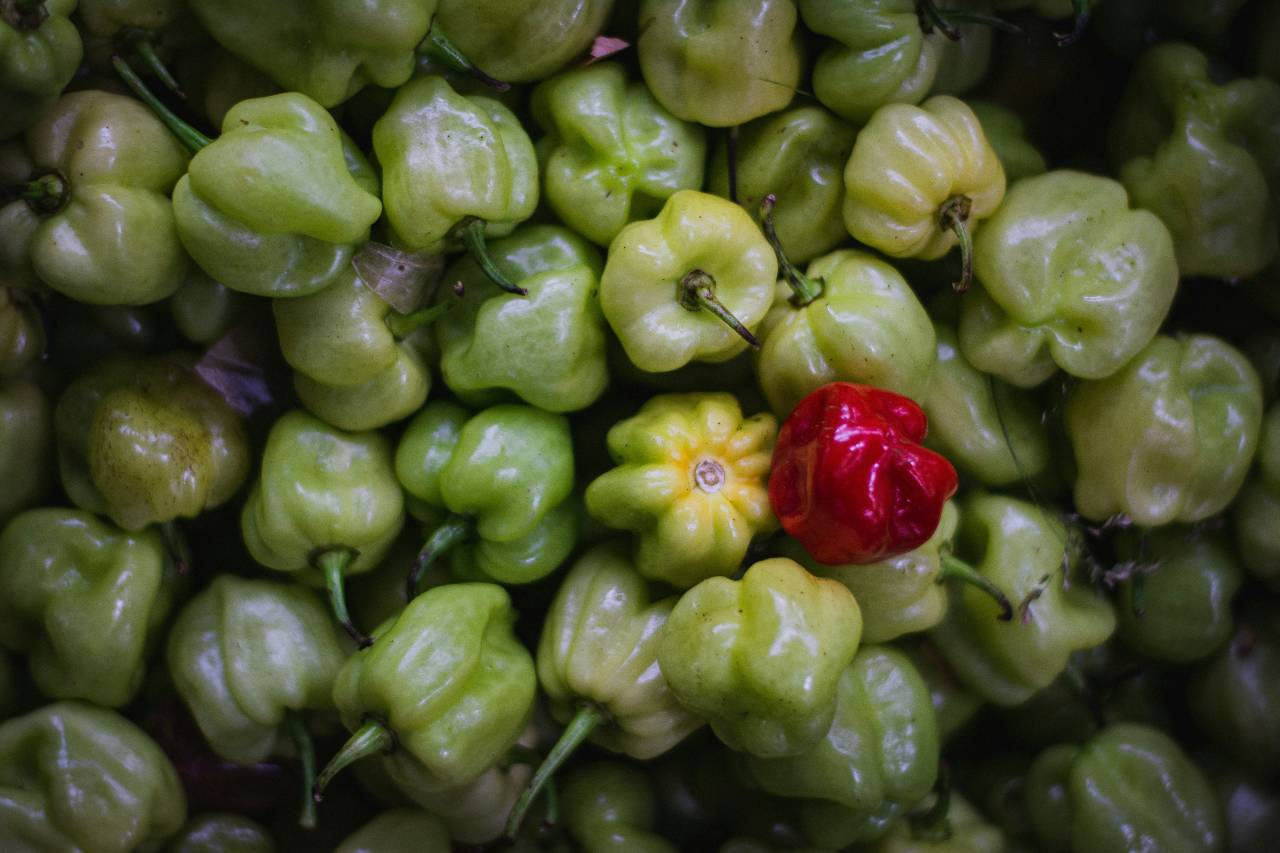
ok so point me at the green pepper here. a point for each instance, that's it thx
(1233, 695)
(987, 428)
(84, 600)
(356, 361)
(504, 476)
(761, 658)
(691, 483)
(689, 284)
(1070, 277)
(399, 831)
(967, 832)
(522, 40)
(1035, 560)
(455, 168)
(444, 691)
(879, 758)
(215, 80)
(720, 62)
(1254, 512)
(26, 446)
(1007, 135)
(1202, 157)
(953, 704)
(145, 440)
(276, 205)
(77, 777)
(16, 221)
(611, 153)
(1170, 436)
(611, 806)
(221, 833)
(797, 155)
(851, 318)
(39, 54)
(92, 217)
(920, 179)
(546, 348)
(1181, 611)
(204, 310)
(1128, 788)
(327, 52)
(326, 505)
(22, 340)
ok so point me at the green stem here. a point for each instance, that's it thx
(697, 290)
(306, 747)
(450, 532)
(953, 568)
(333, 564)
(945, 21)
(954, 216)
(471, 231)
(440, 48)
(23, 15)
(404, 325)
(46, 194)
(931, 16)
(370, 739)
(1080, 21)
(588, 718)
(934, 824)
(188, 135)
(804, 290)
(177, 546)
(147, 53)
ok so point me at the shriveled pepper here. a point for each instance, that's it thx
(503, 477)
(1202, 157)
(1170, 436)
(145, 441)
(689, 284)
(84, 600)
(443, 692)
(26, 446)
(1034, 559)
(547, 347)
(92, 216)
(326, 505)
(1069, 277)
(78, 777)
(761, 658)
(611, 153)
(40, 50)
(920, 179)
(609, 805)
(399, 831)
(850, 479)
(720, 62)
(690, 483)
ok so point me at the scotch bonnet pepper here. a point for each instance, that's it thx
(850, 479)
(39, 54)
(610, 805)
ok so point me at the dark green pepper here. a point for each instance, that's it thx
(611, 806)
(399, 831)
(26, 446)
(1256, 507)
(222, 833)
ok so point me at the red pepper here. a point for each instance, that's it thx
(850, 479)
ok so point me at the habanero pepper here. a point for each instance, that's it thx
(850, 479)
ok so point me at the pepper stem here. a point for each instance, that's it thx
(187, 135)
(931, 16)
(934, 824)
(697, 290)
(954, 216)
(803, 289)
(333, 564)
(176, 546)
(371, 738)
(404, 325)
(1080, 20)
(953, 568)
(440, 48)
(45, 194)
(471, 232)
(23, 15)
(584, 722)
(301, 737)
(451, 531)
(147, 53)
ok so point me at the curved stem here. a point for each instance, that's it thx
(23, 15)
(954, 216)
(147, 53)
(697, 290)
(188, 135)
(440, 48)
(934, 825)
(945, 20)
(404, 325)
(370, 739)
(301, 737)
(584, 722)
(45, 194)
(333, 564)
(471, 232)
(953, 568)
(931, 16)
(803, 289)
(451, 531)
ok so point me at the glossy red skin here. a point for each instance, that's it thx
(850, 479)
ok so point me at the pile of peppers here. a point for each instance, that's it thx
(648, 425)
